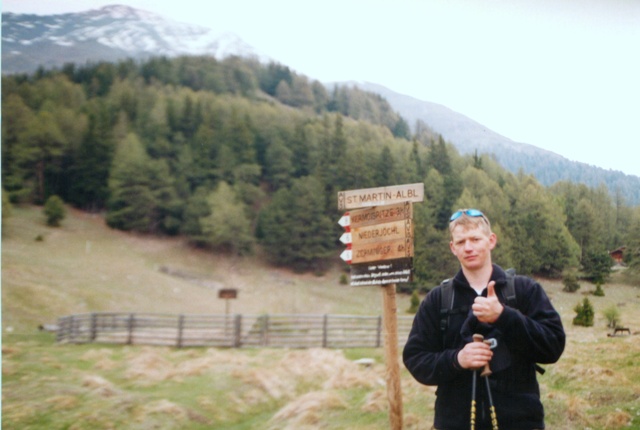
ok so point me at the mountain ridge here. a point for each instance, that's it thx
(469, 136)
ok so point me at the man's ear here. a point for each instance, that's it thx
(493, 240)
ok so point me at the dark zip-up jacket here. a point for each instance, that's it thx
(531, 332)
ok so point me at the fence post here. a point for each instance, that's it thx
(379, 333)
(237, 342)
(324, 330)
(72, 329)
(130, 326)
(62, 327)
(265, 330)
(94, 323)
(180, 328)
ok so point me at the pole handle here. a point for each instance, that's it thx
(486, 371)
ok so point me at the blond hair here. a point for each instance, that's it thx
(470, 222)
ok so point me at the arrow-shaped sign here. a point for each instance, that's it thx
(346, 255)
(345, 220)
(346, 238)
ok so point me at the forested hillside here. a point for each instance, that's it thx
(238, 156)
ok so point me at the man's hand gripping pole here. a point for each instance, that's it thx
(493, 343)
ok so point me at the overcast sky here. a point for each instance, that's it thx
(563, 75)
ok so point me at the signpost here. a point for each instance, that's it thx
(379, 241)
(227, 294)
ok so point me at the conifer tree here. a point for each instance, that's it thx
(142, 191)
(597, 265)
(196, 208)
(417, 159)
(17, 118)
(91, 162)
(227, 226)
(279, 164)
(43, 146)
(54, 211)
(543, 243)
(584, 313)
(385, 168)
(294, 229)
(300, 152)
(439, 159)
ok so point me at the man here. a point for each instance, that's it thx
(526, 330)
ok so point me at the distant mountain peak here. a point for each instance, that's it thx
(123, 11)
(110, 33)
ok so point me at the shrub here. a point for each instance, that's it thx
(584, 313)
(599, 291)
(570, 282)
(612, 314)
(54, 210)
(415, 302)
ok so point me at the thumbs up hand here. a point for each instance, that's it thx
(488, 309)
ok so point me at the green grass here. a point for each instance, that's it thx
(84, 266)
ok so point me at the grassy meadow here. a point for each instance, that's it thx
(84, 267)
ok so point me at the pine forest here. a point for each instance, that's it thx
(243, 157)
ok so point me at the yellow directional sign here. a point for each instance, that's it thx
(382, 232)
(381, 251)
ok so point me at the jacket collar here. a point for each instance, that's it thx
(498, 275)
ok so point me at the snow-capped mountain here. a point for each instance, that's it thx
(107, 34)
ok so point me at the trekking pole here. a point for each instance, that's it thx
(492, 408)
(485, 375)
(474, 377)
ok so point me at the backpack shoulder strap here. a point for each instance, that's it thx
(510, 293)
(447, 296)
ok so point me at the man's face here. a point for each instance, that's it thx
(472, 247)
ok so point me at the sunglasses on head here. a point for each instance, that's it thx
(469, 212)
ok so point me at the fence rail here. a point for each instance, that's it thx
(277, 330)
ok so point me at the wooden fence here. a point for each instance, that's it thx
(280, 330)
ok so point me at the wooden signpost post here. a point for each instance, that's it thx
(227, 294)
(379, 242)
